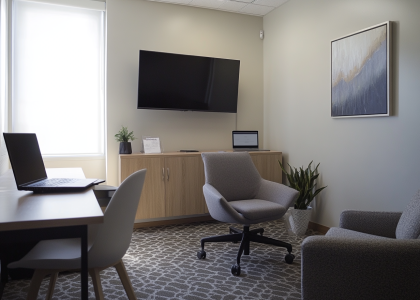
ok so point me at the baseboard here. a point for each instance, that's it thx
(318, 227)
(173, 221)
(314, 226)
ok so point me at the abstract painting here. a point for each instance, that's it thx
(360, 84)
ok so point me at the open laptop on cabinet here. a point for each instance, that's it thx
(29, 170)
(245, 141)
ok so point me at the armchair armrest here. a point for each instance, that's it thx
(338, 268)
(276, 192)
(219, 208)
(371, 222)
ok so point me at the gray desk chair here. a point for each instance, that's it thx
(108, 242)
(236, 193)
(371, 255)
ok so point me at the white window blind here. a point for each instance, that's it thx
(58, 76)
(4, 160)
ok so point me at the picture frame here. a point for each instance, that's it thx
(361, 73)
(151, 145)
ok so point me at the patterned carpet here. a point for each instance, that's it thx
(162, 264)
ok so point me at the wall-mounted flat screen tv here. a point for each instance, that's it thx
(185, 82)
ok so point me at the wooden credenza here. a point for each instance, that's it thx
(174, 181)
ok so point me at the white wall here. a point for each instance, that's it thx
(137, 24)
(367, 163)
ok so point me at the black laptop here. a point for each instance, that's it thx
(29, 170)
(245, 141)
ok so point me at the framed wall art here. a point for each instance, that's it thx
(360, 73)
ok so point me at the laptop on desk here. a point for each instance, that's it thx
(245, 141)
(29, 170)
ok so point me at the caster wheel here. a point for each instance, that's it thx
(289, 258)
(236, 270)
(201, 254)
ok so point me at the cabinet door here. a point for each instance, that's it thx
(152, 200)
(184, 186)
(268, 166)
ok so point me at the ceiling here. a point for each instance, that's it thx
(247, 7)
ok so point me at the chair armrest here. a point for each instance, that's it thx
(339, 268)
(219, 208)
(371, 222)
(276, 192)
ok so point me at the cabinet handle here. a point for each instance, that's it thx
(163, 173)
(168, 173)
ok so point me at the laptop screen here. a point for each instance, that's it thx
(245, 139)
(25, 157)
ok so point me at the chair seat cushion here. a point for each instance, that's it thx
(255, 209)
(52, 254)
(351, 234)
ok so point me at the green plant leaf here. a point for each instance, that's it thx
(124, 136)
(304, 181)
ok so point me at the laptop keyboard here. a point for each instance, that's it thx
(51, 182)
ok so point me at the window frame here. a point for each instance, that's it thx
(99, 5)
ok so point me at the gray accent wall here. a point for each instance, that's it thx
(367, 163)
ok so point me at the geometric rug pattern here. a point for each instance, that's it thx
(162, 264)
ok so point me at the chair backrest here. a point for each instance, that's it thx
(409, 224)
(232, 174)
(113, 237)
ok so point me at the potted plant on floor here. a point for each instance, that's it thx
(304, 181)
(124, 137)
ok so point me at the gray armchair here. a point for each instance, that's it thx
(371, 255)
(236, 193)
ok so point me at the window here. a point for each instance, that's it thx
(4, 161)
(58, 75)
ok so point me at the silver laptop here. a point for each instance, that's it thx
(245, 141)
(29, 170)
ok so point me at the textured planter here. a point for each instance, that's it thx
(125, 148)
(299, 220)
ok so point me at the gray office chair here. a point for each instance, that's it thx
(108, 242)
(236, 193)
(371, 255)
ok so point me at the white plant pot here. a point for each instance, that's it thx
(299, 220)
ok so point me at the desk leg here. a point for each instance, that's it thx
(84, 253)
(4, 272)
(1, 289)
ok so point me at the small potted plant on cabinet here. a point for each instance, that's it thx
(124, 137)
(304, 181)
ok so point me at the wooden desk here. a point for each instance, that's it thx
(25, 216)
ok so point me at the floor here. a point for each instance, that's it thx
(162, 264)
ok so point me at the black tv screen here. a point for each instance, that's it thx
(185, 82)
